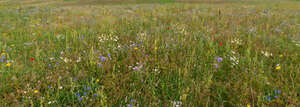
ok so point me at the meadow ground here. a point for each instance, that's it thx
(89, 53)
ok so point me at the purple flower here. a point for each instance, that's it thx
(80, 99)
(49, 86)
(88, 88)
(2, 56)
(129, 105)
(95, 95)
(276, 96)
(136, 68)
(84, 93)
(102, 58)
(277, 91)
(219, 59)
(99, 64)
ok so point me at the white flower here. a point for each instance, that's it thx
(78, 60)
(177, 103)
(236, 41)
(49, 102)
(267, 54)
(234, 60)
(60, 87)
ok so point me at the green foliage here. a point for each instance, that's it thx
(189, 54)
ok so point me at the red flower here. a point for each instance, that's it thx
(220, 44)
(168, 27)
(31, 59)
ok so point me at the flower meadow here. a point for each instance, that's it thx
(179, 54)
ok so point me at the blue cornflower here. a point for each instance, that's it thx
(2, 56)
(88, 88)
(268, 98)
(49, 86)
(80, 99)
(84, 93)
(129, 105)
(78, 94)
(219, 59)
(95, 95)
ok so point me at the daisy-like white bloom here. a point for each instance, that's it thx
(177, 103)
(79, 59)
(266, 53)
(234, 60)
(236, 41)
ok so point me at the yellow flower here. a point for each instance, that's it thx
(12, 45)
(248, 105)
(3, 53)
(136, 48)
(278, 67)
(280, 55)
(155, 48)
(35, 91)
(8, 64)
(97, 80)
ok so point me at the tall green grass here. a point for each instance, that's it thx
(224, 54)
